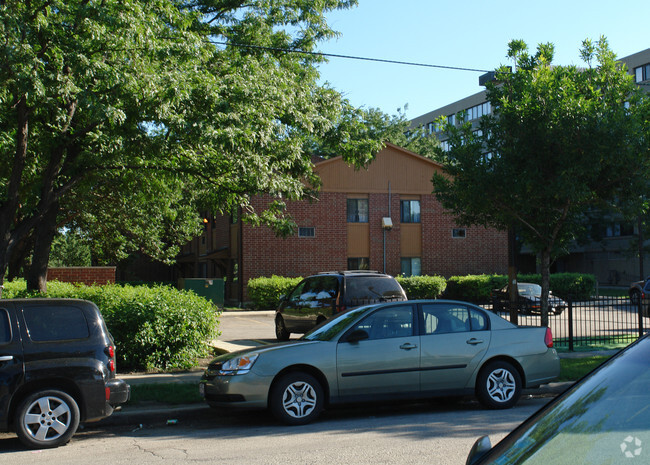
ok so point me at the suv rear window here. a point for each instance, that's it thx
(372, 288)
(46, 323)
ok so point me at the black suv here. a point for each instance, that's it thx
(57, 368)
(318, 297)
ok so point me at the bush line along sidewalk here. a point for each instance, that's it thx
(155, 328)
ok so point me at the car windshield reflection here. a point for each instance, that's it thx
(329, 329)
(604, 420)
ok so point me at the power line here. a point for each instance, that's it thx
(350, 57)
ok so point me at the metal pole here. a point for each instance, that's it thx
(570, 310)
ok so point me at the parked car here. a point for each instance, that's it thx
(400, 350)
(529, 300)
(637, 289)
(602, 419)
(57, 369)
(318, 297)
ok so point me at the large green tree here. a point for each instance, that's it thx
(561, 141)
(125, 118)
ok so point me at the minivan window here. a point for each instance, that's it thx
(46, 323)
(5, 327)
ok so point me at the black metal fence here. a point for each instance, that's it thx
(595, 322)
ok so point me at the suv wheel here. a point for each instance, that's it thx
(296, 399)
(498, 385)
(46, 419)
(281, 332)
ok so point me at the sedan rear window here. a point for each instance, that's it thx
(46, 323)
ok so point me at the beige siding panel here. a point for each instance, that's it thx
(406, 172)
(410, 240)
(358, 240)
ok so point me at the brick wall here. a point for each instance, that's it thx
(481, 251)
(81, 274)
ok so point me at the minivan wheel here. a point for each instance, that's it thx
(296, 399)
(498, 385)
(46, 419)
(281, 332)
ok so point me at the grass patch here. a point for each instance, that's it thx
(572, 369)
(166, 393)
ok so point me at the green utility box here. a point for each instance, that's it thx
(210, 288)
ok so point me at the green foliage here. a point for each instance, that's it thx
(422, 287)
(125, 118)
(266, 292)
(157, 328)
(576, 286)
(473, 288)
(478, 288)
(70, 249)
(561, 141)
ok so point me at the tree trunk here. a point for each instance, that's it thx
(9, 206)
(513, 290)
(546, 267)
(44, 235)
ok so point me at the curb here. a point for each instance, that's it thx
(139, 417)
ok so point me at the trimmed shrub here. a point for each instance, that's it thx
(422, 287)
(576, 286)
(155, 328)
(266, 292)
(478, 288)
(473, 288)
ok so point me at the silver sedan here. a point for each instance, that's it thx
(390, 351)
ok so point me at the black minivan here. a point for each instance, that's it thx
(320, 296)
(57, 369)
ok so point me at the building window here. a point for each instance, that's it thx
(358, 263)
(411, 266)
(410, 211)
(306, 232)
(459, 233)
(642, 73)
(357, 210)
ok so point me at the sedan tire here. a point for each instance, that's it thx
(498, 385)
(296, 398)
(46, 419)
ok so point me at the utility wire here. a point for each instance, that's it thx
(350, 57)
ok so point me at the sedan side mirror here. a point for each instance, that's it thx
(357, 335)
(481, 447)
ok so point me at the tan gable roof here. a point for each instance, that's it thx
(407, 173)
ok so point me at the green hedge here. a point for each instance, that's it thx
(473, 288)
(422, 287)
(478, 288)
(155, 328)
(265, 293)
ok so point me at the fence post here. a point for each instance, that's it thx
(570, 310)
(640, 311)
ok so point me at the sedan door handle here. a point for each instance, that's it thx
(6, 358)
(473, 341)
(408, 346)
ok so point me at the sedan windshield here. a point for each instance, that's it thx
(529, 290)
(329, 329)
(604, 420)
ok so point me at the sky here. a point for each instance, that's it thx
(465, 34)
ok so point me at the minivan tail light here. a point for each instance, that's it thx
(548, 338)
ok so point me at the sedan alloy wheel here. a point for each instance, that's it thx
(499, 385)
(297, 398)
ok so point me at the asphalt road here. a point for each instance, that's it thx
(437, 432)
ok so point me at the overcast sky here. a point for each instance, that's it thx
(465, 34)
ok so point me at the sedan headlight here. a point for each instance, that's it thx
(238, 365)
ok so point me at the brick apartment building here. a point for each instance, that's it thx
(381, 218)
